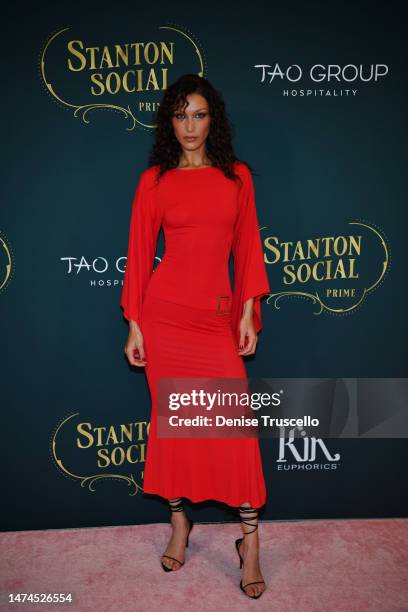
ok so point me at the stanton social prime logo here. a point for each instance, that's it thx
(334, 272)
(87, 452)
(7, 264)
(85, 74)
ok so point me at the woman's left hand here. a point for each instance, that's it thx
(247, 332)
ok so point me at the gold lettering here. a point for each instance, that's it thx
(272, 248)
(81, 429)
(76, 53)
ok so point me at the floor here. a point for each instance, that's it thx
(309, 566)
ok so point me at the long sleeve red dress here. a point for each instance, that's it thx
(177, 306)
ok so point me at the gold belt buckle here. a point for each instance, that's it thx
(223, 300)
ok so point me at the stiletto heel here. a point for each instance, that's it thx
(237, 543)
(189, 531)
(177, 506)
(243, 510)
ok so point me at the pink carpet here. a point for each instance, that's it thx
(309, 566)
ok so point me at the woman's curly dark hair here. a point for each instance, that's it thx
(166, 148)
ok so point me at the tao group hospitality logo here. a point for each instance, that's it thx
(321, 80)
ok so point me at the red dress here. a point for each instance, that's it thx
(177, 306)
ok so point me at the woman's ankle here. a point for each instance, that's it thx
(251, 541)
(179, 518)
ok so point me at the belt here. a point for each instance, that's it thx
(223, 304)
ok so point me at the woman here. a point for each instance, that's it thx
(184, 320)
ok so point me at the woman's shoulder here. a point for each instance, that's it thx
(242, 168)
(146, 178)
(149, 174)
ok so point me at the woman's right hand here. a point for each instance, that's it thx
(135, 343)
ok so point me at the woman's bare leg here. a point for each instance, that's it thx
(249, 549)
(177, 543)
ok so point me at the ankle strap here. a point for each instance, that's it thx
(247, 511)
(176, 505)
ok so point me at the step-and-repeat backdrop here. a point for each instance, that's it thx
(316, 93)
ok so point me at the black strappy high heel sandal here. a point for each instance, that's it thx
(176, 505)
(247, 510)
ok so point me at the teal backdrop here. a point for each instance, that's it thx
(77, 130)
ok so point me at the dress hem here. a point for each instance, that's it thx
(198, 500)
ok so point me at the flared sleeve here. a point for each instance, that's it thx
(143, 233)
(250, 276)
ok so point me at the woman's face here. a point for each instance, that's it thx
(192, 125)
